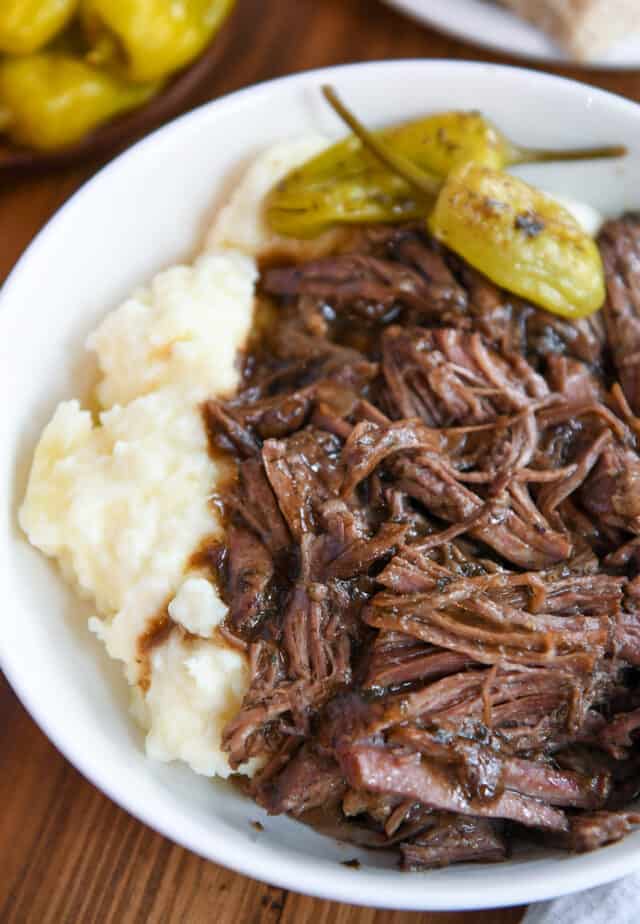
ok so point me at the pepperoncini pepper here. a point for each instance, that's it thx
(27, 25)
(522, 239)
(356, 180)
(441, 142)
(51, 100)
(146, 40)
(519, 237)
(347, 183)
(374, 195)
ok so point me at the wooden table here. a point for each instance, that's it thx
(68, 854)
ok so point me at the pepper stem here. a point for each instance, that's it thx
(395, 162)
(533, 156)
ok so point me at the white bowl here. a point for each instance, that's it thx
(148, 209)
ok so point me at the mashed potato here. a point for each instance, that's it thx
(183, 329)
(122, 502)
(196, 688)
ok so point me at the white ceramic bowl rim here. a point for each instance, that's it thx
(516, 884)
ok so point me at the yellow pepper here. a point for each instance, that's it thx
(374, 195)
(441, 142)
(27, 25)
(50, 100)
(360, 179)
(149, 39)
(347, 183)
(522, 239)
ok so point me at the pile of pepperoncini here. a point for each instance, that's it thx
(448, 169)
(68, 66)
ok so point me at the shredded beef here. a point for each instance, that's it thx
(365, 285)
(432, 555)
(382, 769)
(446, 376)
(454, 839)
(309, 780)
(620, 248)
(592, 830)
(250, 572)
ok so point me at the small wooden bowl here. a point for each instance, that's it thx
(123, 129)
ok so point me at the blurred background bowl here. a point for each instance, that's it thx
(179, 93)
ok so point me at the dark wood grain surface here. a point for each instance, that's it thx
(67, 853)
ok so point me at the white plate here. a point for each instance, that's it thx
(145, 210)
(484, 23)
